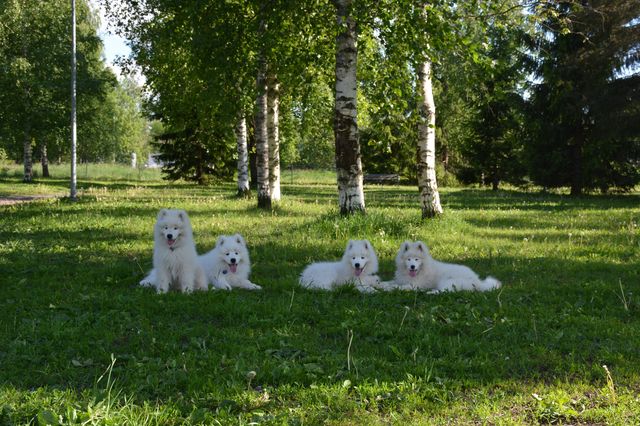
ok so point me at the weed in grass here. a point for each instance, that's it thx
(623, 297)
(610, 386)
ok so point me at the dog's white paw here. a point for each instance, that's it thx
(366, 288)
(253, 286)
(222, 286)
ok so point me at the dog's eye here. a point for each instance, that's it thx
(354, 258)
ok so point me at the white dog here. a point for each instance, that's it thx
(175, 261)
(417, 270)
(228, 264)
(359, 265)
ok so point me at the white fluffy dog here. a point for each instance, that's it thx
(417, 270)
(359, 265)
(228, 264)
(175, 261)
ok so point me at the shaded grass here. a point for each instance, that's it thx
(530, 353)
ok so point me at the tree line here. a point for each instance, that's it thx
(526, 92)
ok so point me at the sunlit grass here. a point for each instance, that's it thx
(531, 353)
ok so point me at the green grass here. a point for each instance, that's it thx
(80, 342)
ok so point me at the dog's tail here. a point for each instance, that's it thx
(490, 283)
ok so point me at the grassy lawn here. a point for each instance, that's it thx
(81, 343)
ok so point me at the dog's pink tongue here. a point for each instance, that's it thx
(233, 267)
(170, 242)
(358, 271)
(412, 273)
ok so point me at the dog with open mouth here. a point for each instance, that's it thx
(417, 270)
(358, 266)
(228, 265)
(175, 260)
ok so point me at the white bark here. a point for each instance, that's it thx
(273, 134)
(348, 158)
(44, 161)
(429, 196)
(262, 143)
(243, 157)
(27, 150)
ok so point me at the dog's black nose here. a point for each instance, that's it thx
(233, 260)
(357, 265)
(170, 236)
(413, 267)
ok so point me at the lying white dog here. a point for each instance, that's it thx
(359, 265)
(175, 261)
(417, 270)
(228, 264)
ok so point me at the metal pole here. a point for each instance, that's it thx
(73, 102)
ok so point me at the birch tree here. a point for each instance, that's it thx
(345, 126)
(44, 161)
(429, 196)
(261, 136)
(28, 152)
(243, 157)
(273, 135)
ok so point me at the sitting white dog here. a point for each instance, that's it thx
(417, 270)
(359, 265)
(175, 261)
(228, 264)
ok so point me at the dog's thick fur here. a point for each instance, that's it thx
(359, 266)
(175, 261)
(417, 270)
(228, 264)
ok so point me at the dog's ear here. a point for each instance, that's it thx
(182, 214)
(220, 241)
(239, 239)
(350, 245)
(366, 244)
(162, 213)
(420, 247)
(405, 245)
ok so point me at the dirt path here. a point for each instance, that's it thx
(15, 199)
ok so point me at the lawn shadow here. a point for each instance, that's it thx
(511, 199)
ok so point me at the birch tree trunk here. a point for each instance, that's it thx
(429, 196)
(28, 158)
(243, 157)
(345, 125)
(273, 131)
(262, 142)
(44, 161)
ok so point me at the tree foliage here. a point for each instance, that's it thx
(555, 103)
(495, 82)
(35, 46)
(585, 114)
(200, 60)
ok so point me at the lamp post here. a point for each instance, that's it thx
(73, 194)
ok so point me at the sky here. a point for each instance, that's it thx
(114, 45)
